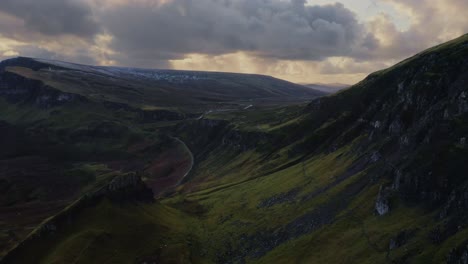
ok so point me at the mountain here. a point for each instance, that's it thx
(183, 91)
(328, 88)
(373, 174)
(67, 129)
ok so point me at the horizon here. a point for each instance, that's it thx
(182, 70)
(315, 41)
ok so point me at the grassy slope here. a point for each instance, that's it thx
(198, 223)
(220, 211)
(54, 155)
(115, 234)
(211, 91)
(195, 225)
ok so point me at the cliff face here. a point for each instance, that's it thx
(18, 89)
(409, 123)
(126, 188)
(28, 63)
(414, 115)
(419, 120)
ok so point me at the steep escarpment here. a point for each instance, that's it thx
(29, 63)
(19, 89)
(414, 116)
(16, 89)
(421, 115)
(405, 130)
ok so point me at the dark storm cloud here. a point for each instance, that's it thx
(267, 28)
(52, 17)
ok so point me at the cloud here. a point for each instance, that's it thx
(330, 70)
(53, 17)
(432, 22)
(150, 32)
(51, 51)
(264, 28)
(292, 39)
(52, 29)
(343, 65)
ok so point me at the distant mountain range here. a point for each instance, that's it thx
(328, 88)
(184, 90)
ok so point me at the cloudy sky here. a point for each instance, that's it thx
(303, 41)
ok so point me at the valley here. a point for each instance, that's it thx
(123, 165)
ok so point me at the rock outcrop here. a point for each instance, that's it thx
(126, 188)
(382, 204)
(458, 255)
(401, 239)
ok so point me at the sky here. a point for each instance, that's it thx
(314, 41)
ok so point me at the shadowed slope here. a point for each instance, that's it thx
(373, 174)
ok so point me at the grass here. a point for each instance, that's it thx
(357, 236)
(262, 118)
(108, 233)
(232, 210)
(209, 91)
(219, 208)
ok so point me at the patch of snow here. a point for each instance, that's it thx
(125, 72)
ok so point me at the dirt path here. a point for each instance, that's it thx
(192, 159)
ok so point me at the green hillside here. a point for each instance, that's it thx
(373, 174)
